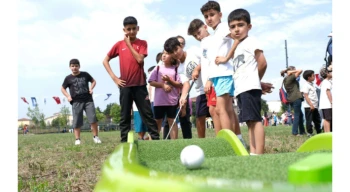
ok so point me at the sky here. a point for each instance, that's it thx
(50, 33)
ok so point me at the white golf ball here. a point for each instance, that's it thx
(192, 157)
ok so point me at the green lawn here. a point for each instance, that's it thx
(51, 162)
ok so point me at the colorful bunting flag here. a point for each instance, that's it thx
(57, 99)
(34, 102)
(24, 99)
(108, 95)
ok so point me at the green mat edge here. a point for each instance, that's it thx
(122, 172)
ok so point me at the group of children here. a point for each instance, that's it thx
(225, 64)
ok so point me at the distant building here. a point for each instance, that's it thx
(23, 121)
(48, 120)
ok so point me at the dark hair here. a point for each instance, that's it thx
(74, 61)
(171, 44)
(151, 68)
(210, 5)
(194, 26)
(323, 72)
(130, 20)
(238, 15)
(159, 56)
(307, 74)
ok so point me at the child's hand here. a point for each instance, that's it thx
(220, 60)
(127, 39)
(119, 82)
(165, 78)
(208, 86)
(195, 74)
(90, 91)
(69, 99)
(166, 88)
(266, 87)
(182, 101)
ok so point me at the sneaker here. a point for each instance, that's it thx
(97, 140)
(77, 142)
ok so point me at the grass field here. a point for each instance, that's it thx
(51, 162)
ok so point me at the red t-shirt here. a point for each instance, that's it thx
(130, 71)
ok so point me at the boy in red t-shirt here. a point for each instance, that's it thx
(132, 81)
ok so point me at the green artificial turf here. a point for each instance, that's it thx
(220, 160)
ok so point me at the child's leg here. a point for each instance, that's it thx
(77, 111)
(216, 119)
(159, 124)
(137, 124)
(258, 135)
(174, 130)
(252, 144)
(90, 111)
(327, 117)
(159, 115)
(327, 126)
(317, 120)
(202, 111)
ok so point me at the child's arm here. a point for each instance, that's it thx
(329, 95)
(262, 65)
(119, 82)
(306, 96)
(93, 84)
(139, 57)
(220, 60)
(164, 86)
(296, 72)
(185, 89)
(174, 83)
(196, 71)
(65, 93)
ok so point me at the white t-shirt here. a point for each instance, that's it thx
(245, 66)
(185, 69)
(219, 45)
(205, 62)
(310, 89)
(324, 101)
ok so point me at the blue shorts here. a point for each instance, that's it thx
(223, 85)
(139, 125)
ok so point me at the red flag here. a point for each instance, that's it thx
(318, 80)
(24, 99)
(57, 99)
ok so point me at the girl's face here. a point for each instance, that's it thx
(166, 58)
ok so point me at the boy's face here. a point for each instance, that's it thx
(178, 52)
(239, 29)
(131, 30)
(201, 33)
(212, 17)
(74, 68)
(312, 78)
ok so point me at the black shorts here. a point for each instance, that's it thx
(249, 106)
(327, 114)
(161, 111)
(201, 106)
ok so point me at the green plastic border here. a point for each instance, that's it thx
(234, 141)
(322, 141)
(122, 172)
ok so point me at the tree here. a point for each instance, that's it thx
(264, 107)
(64, 116)
(55, 122)
(99, 115)
(115, 113)
(37, 117)
(107, 111)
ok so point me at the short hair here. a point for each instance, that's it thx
(238, 15)
(307, 74)
(151, 68)
(194, 26)
(210, 5)
(130, 20)
(171, 44)
(323, 72)
(74, 61)
(159, 56)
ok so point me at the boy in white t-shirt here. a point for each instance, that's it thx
(189, 60)
(309, 91)
(249, 66)
(220, 75)
(326, 99)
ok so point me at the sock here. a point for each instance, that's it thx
(253, 154)
(95, 136)
(77, 139)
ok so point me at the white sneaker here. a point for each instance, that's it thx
(77, 142)
(97, 140)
